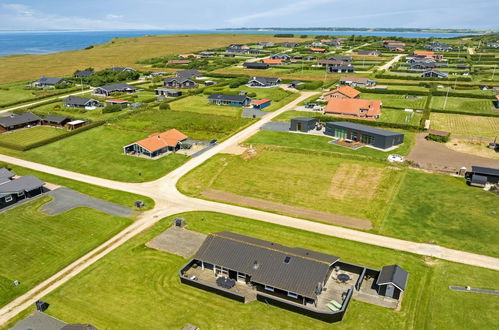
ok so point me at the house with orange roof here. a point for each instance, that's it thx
(342, 92)
(317, 50)
(156, 144)
(354, 108)
(273, 61)
(427, 54)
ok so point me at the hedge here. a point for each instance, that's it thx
(50, 140)
(438, 138)
(454, 94)
(386, 91)
(401, 77)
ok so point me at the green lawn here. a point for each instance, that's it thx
(199, 104)
(466, 125)
(462, 104)
(443, 210)
(138, 288)
(17, 92)
(304, 179)
(24, 137)
(311, 143)
(396, 100)
(35, 246)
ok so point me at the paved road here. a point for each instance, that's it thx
(388, 64)
(170, 201)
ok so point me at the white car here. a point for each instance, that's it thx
(395, 159)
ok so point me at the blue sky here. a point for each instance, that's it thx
(203, 14)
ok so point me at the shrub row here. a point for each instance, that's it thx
(398, 92)
(392, 76)
(454, 94)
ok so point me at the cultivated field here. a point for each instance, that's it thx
(24, 137)
(465, 125)
(35, 246)
(147, 280)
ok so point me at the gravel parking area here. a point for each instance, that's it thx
(178, 241)
(253, 113)
(64, 199)
(276, 126)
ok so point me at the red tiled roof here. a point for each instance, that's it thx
(117, 101)
(258, 102)
(347, 91)
(353, 107)
(158, 141)
(271, 61)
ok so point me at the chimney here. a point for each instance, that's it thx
(255, 265)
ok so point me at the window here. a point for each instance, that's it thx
(20, 193)
(8, 199)
(292, 295)
(269, 288)
(287, 260)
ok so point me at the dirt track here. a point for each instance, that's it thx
(287, 209)
(436, 156)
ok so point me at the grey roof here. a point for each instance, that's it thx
(256, 65)
(23, 118)
(5, 175)
(363, 128)
(179, 80)
(119, 69)
(75, 100)
(305, 119)
(84, 73)
(340, 58)
(485, 170)
(393, 274)
(355, 79)
(78, 327)
(264, 262)
(116, 87)
(227, 97)
(265, 80)
(296, 82)
(39, 321)
(55, 119)
(479, 179)
(49, 80)
(189, 73)
(25, 183)
(169, 90)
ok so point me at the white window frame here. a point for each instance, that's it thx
(292, 295)
(19, 194)
(269, 288)
(8, 199)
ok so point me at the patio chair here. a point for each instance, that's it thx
(335, 303)
(331, 307)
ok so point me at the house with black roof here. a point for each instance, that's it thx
(284, 57)
(434, 74)
(191, 74)
(114, 88)
(16, 121)
(289, 44)
(308, 282)
(263, 82)
(179, 82)
(225, 99)
(56, 121)
(84, 74)
(392, 281)
(479, 176)
(167, 92)
(256, 66)
(45, 82)
(295, 83)
(14, 190)
(80, 102)
(368, 135)
(438, 47)
(303, 124)
(119, 69)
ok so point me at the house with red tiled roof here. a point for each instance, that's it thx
(342, 92)
(354, 108)
(273, 61)
(317, 50)
(156, 144)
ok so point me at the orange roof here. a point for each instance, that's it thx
(347, 91)
(270, 61)
(318, 49)
(116, 101)
(424, 53)
(353, 107)
(187, 55)
(258, 102)
(158, 141)
(497, 97)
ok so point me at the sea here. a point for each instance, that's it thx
(45, 42)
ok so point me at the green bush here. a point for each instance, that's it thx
(310, 85)
(251, 94)
(438, 138)
(164, 106)
(112, 108)
(284, 35)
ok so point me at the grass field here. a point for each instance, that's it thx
(465, 125)
(313, 143)
(16, 92)
(279, 176)
(125, 51)
(463, 104)
(396, 100)
(24, 137)
(199, 104)
(443, 210)
(35, 246)
(147, 280)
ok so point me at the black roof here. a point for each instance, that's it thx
(393, 274)
(25, 183)
(227, 97)
(116, 87)
(189, 73)
(5, 175)
(265, 262)
(256, 65)
(55, 119)
(75, 100)
(179, 80)
(49, 80)
(304, 119)
(363, 128)
(265, 80)
(485, 170)
(23, 118)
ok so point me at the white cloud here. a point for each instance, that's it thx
(15, 16)
(291, 8)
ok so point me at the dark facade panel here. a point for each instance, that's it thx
(303, 124)
(367, 136)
